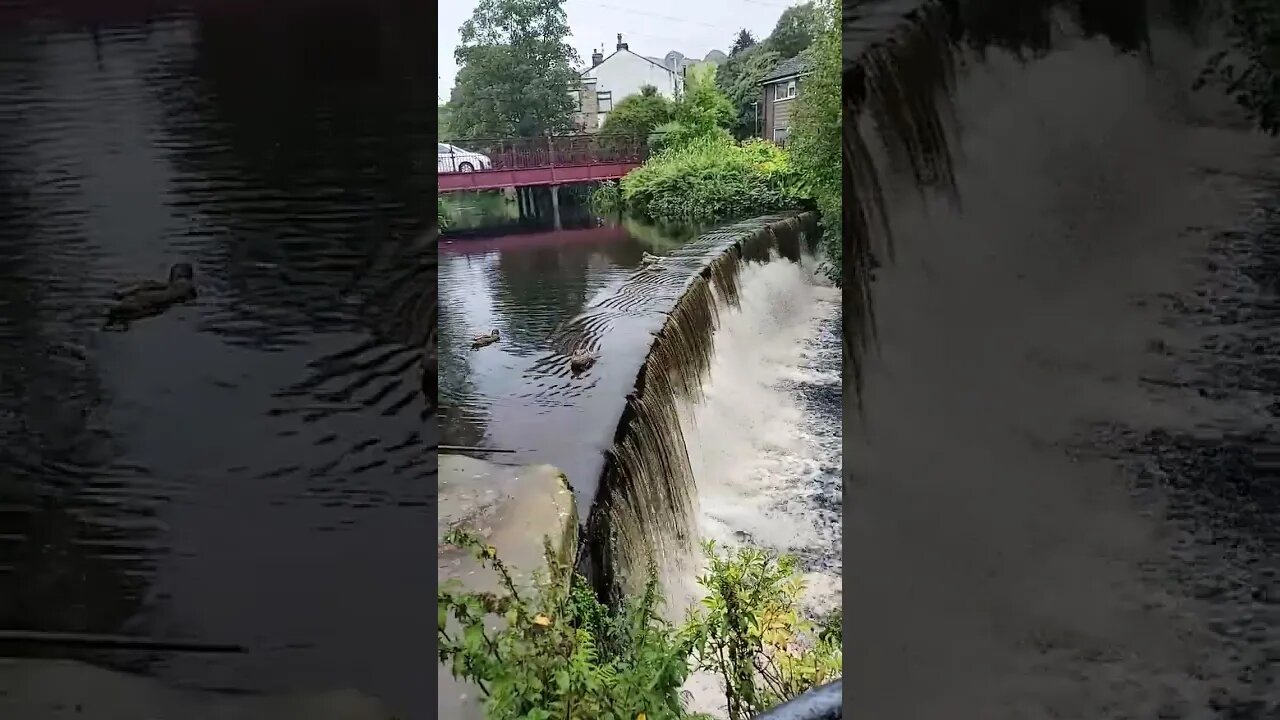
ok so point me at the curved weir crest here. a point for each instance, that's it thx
(644, 505)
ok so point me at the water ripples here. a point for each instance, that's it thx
(150, 477)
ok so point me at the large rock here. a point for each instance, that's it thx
(513, 508)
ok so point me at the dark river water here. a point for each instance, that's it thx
(517, 394)
(252, 467)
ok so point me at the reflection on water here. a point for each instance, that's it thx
(517, 394)
(248, 468)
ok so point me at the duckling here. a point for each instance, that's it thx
(480, 341)
(153, 298)
(581, 360)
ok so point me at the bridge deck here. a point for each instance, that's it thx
(520, 162)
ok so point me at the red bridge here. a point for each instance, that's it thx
(537, 161)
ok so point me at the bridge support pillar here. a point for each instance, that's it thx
(555, 205)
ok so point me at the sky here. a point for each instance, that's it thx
(652, 28)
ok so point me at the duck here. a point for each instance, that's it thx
(647, 259)
(581, 360)
(480, 341)
(153, 297)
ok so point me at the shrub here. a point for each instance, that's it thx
(751, 634)
(639, 114)
(710, 179)
(442, 214)
(560, 653)
(674, 134)
(605, 198)
(703, 108)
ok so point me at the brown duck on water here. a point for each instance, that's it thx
(153, 297)
(480, 341)
(581, 361)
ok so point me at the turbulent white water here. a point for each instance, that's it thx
(764, 443)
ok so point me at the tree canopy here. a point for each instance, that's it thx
(815, 141)
(739, 79)
(516, 70)
(795, 30)
(744, 40)
(703, 109)
(639, 114)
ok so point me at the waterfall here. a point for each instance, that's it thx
(644, 513)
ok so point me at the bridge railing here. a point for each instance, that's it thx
(480, 154)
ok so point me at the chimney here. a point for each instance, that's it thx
(597, 57)
(621, 45)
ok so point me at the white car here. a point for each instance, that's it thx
(451, 158)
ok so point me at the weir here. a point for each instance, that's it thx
(642, 509)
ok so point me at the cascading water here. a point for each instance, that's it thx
(733, 430)
(764, 437)
(646, 509)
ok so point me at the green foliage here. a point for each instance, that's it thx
(750, 633)
(639, 114)
(739, 79)
(516, 70)
(444, 120)
(1249, 69)
(815, 139)
(743, 41)
(675, 135)
(703, 108)
(606, 198)
(442, 214)
(711, 178)
(557, 652)
(795, 30)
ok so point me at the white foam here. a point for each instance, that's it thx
(762, 454)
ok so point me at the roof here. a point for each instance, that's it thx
(790, 67)
(615, 52)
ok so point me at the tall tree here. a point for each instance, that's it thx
(739, 79)
(516, 70)
(815, 140)
(796, 28)
(744, 40)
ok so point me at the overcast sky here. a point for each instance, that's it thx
(652, 28)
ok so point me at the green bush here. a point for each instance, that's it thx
(605, 198)
(750, 633)
(639, 114)
(442, 214)
(559, 653)
(711, 178)
(703, 108)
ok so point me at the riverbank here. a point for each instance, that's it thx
(1006, 571)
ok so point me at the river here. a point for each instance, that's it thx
(763, 434)
(248, 468)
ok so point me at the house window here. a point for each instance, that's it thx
(780, 135)
(785, 92)
(604, 101)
